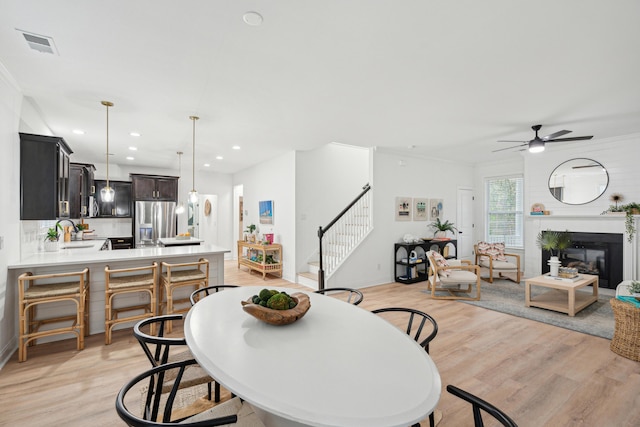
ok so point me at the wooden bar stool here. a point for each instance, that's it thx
(31, 295)
(125, 281)
(175, 276)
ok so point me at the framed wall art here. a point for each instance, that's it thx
(420, 207)
(403, 208)
(435, 209)
(266, 211)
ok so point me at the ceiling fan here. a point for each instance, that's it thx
(536, 145)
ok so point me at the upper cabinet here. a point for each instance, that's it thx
(120, 207)
(81, 188)
(154, 187)
(44, 177)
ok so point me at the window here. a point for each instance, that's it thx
(505, 211)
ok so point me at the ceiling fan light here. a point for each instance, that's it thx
(536, 147)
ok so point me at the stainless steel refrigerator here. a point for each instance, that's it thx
(152, 221)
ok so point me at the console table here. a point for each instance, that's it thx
(255, 256)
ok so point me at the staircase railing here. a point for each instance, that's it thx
(344, 232)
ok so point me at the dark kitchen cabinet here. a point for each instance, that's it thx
(154, 187)
(120, 207)
(44, 177)
(81, 188)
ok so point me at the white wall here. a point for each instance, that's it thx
(272, 180)
(373, 262)
(10, 108)
(327, 180)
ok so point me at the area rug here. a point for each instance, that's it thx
(508, 297)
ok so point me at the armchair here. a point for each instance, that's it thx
(493, 257)
(449, 276)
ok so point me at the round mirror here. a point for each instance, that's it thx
(578, 181)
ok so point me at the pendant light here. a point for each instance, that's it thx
(107, 194)
(193, 194)
(180, 208)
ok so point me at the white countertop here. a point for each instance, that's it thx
(339, 365)
(88, 251)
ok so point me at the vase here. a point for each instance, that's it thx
(440, 234)
(554, 266)
(51, 246)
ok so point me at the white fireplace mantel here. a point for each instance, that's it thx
(608, 223)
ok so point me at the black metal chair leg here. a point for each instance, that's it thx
(217, 386)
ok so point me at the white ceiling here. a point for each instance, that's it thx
(448, 78)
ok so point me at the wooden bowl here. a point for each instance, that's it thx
(279, 317)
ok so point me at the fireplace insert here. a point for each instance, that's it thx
(599, 254)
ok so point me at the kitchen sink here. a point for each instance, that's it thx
(77, 246)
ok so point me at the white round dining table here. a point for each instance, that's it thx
(339, 365)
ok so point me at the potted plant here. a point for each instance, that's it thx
(251, 230)
(441, 228)
(629, 210)
(634, 288)
(51, 239)
(553, 241)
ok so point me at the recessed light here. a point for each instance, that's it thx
(219, 157)
(130, 158)
(78, 131)
(206, 165)
(252, 18)
(133, 148)
(236, 147)
(134, 134)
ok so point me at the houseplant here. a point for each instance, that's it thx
(250, 231)
(441, 228)
(634, 288)
(553, 241)
(629, 209)
(51, 239)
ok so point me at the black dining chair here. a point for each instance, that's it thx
(415, 321)
(478, 404)
(156, 401)
(205, 292)
(352, 296)
(161, 350)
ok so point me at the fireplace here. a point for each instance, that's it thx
(593, 253)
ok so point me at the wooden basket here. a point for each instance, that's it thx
(626, 336)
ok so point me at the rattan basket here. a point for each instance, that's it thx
(626, 336)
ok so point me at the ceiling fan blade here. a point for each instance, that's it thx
(575, 138)
(555, 135)
(509, 148)
(509, 140)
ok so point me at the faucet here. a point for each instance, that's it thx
(75, 229)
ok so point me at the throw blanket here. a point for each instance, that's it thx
(630, 300)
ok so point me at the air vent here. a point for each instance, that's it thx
(38, 42)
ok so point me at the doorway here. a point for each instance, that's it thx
(464, 223)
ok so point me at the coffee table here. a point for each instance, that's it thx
(563, 296)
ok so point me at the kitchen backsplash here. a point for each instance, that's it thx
(34, 232)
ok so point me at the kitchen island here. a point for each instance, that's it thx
(76, 255)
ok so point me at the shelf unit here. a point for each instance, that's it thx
(415, 269)
(411, 270)
(254, 255)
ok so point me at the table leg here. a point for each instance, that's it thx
(572, 302)
(527, 294)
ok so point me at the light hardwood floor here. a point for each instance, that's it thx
(539, 374)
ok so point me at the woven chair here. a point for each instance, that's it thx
(32, 295)
(175, 276)
(497, 261)
(415, 321)
(232, 412)
(626, 335)
(450, 275)
(197, 295)
(479, 404)
(161, 349)
(351, 296)
(119, 282)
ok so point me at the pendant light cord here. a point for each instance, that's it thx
(193, 165)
